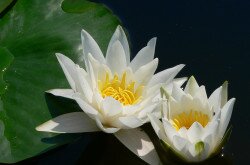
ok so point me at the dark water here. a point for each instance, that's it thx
(211, 37)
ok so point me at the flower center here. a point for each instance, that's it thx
(120, 90)
(187, 119)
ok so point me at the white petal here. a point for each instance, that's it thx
(215, 99)
(179, 142)
(145, 73)
(120, 35)
(211, 128)
(92, 75)
(201, 94)
(97, 99)
(131, 109)
(175, 108)
(88, 109)
(177, 92)
(226, 113)
(67, 93)
(165, 76)
(95, 65)
(105, 129)
(68, 67)
(158, 127)
(195, 132)
(198, 153)
(128, 122)
(191, 86)
(144, 56)
(149, 109)
(178, 81)
(170, 131)
(90, 46)
(140, 144)
(183, 132)
(84, 88)
(116, 59)
(111, 107)
(74, 122)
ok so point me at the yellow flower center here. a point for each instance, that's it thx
(187, 119)
(120, 89)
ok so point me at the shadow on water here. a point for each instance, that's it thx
(60, 105)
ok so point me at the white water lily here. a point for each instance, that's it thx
(115, 94)
(192, 124)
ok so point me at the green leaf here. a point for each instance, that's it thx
(77, 6)
(33, 31)
(6, 58)
(4, 4)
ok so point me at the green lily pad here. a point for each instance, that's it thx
(31, 33)
(4, 4)
(6, 58)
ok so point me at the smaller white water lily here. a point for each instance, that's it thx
(114, 93)
(193, 125)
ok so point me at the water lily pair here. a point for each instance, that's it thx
(118, 95)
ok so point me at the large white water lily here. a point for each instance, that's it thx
(192, 124)
(114, 93)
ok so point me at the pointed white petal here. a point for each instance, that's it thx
(120, 35)
(170, 131)
(179, 142)
(158, 127)
(92, 76)
(201, 94)
(183, 132)
(74, 122)
(165, 76)
(144, 56)
(104, 128)
(68, 67)
(211, 131)
(116, 58)
(149, 109)
(127, 122)
(84, 87)
(88, 109)
(131, 109)
(199, 151)
(145, 73)
(226, 113)
(97, 99)
(192, 86)
(90, 46)
(95, 65)
(111, 107)
(177, 92)
(178, 81)
(140, 144)
(175, 107)
(195, 132)
(67, 93)
(215, 99)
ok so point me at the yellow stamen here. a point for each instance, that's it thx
(120, 90)
(187, 119)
